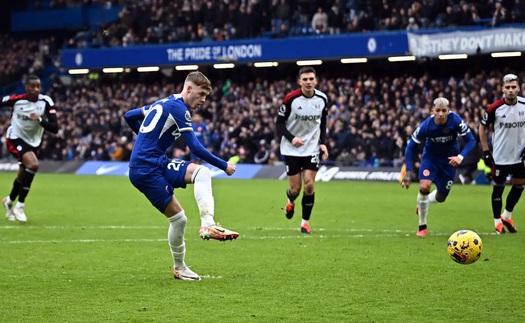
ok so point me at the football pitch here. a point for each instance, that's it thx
(95, 250)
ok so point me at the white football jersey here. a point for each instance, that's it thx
(21, 126)
(303, 120)
(508, 140)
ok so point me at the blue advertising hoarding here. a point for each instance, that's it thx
(252, 50)
(103, 168)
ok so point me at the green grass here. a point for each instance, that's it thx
(94, 250)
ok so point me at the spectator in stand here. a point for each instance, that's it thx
(465, 15)
(335, 20)
(281, 13)
(500, 14)
(412, 25)
(320, 22)
(517, 15)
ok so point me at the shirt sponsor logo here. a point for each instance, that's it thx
(508, 125)
(307, 117)
(23, 117)
(442, 139)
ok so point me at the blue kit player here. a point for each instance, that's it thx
(440, 158)
(155, 175)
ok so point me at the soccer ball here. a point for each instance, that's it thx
(465, 246)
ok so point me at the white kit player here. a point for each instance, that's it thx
(507, 115)
(301, 125)
(32, 114)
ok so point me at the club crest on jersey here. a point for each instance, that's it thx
(282, 110)
(187, 116)
(426, 172)
(318, 106)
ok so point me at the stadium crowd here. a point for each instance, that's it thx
(370, 117)
(166, 21)
(369, 120)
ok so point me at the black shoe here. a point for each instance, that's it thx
(509, 224)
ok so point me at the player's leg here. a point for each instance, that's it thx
(177, 218)
(518, 180)
(293, 170)
(292, 192)
(15, 189)
(499, 176)
(26, 175)
(427, 174)
(423, 205)
(160, 193)
(443, 180)
(308, 199)
(9, 200)
(200, 176)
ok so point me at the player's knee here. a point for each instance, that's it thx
(424, 189)
(32, 166)
(295, 189)
(440, 197)
(201, 173)
(309, 188)
(183, 220)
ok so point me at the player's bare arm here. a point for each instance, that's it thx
(407, 179)
(297, 142)
(455, 160)
(230, 169)
(324, 150)
(34, 116)
(483, 137)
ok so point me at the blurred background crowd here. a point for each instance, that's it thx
(167, 21)
(372, 110)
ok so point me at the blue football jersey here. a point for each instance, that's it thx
(440, 140)
(164, 122)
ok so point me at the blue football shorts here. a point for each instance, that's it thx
(158, 183)
(439, 172)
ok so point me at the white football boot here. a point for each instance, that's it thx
(9, 215)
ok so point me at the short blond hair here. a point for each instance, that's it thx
(199, 80)
(441, 101)
(510, 78)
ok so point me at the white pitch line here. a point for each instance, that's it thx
(395, 232)
(298, 236)
(133, 227)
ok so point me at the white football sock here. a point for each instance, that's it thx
(204, 195)
(176, 238)
(19, 204)
(506, 215)
(497, 221)
(432, 196)
(303, 221)
(422, 204)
